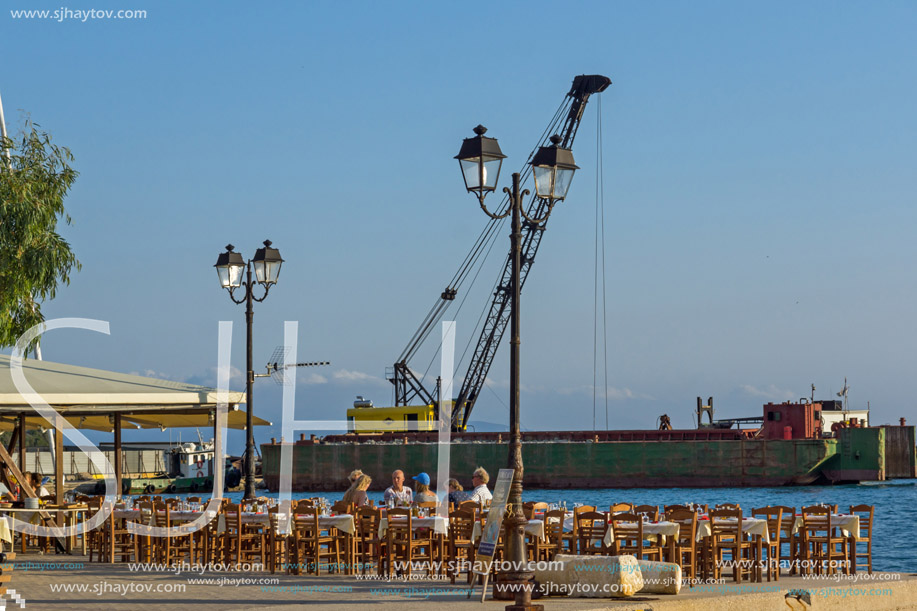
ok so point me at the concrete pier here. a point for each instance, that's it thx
(71, 582)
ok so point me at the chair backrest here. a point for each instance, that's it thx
(583, 508)
(788, 519)
(304, 503)
(726, 523)
(161, 516)
(627, 527)
(866, 514)
(590, 528)
(472, 506)
(461, 525)
(686, 520)
(816, 519)
(426, 504)
(367, 522)
(305, 523)
(651, 511)
(400, 527)
(774, 517)
(554, 525)
(619, 507)
(667, 508)
(341, 507)
(194, 499)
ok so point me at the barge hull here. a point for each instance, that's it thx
(654, 462)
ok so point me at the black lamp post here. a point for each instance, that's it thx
(480, 159)
(229, 266)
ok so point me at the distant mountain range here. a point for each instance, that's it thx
(479, 426)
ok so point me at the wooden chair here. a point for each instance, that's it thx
(774, 517)
(242, 542)
(820, 543)
(628, 534)
(866, 514)
(788, 538)
(667, 508)
(553, 542)
(572, 538)
(117, 541)
(727, 536)
(426, 504)
(174, 545)
(461, 544)
(591, 527)
(686, 541)
(310, 545)
(277, 538)
(368, 545)
(650, 511)
(401, 545)
(621, 507)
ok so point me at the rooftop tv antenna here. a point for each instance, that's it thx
(277, 365)
(843, 393)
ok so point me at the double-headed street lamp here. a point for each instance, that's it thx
(552, 166)
(229, 266)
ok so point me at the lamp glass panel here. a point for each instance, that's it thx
(223, 273)
(491, 173)
(235, 275)
(272, 271)
(470, 172)
(544, 181)
(259, 270)
(562, 182)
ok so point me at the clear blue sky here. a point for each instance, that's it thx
(759, 172)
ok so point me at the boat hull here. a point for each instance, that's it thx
(580, 460)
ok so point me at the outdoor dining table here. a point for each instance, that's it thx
(534, 528)
(753, 527)
(5, 532)
(70, 515)
(849, 526)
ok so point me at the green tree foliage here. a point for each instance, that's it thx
(34, 258)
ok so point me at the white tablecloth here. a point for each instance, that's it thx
(439, 524)
(534, 528)
(5, 533)
(651, 531)
(849, 524)
(750, 526)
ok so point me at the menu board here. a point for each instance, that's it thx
(488, 543)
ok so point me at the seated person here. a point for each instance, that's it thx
(356, 494)
(481, 494)
(397, 493)
(457, 494)
(422, 486)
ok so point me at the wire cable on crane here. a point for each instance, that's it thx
(599, 240)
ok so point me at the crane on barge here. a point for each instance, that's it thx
(408, 385)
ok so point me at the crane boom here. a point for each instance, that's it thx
(407, 384)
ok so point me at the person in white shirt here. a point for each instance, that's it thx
(397, 492)
(480, 494)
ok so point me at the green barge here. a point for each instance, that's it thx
(777, 454)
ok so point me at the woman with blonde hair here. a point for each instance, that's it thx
(356, 494)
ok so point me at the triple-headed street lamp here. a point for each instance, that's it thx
(552, 167)
(229, 266)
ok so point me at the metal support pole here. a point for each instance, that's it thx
(249, 386)
(59, 466)
(516, 553)
(118, 453)
(22, 454)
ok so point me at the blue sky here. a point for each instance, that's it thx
(758, 171)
